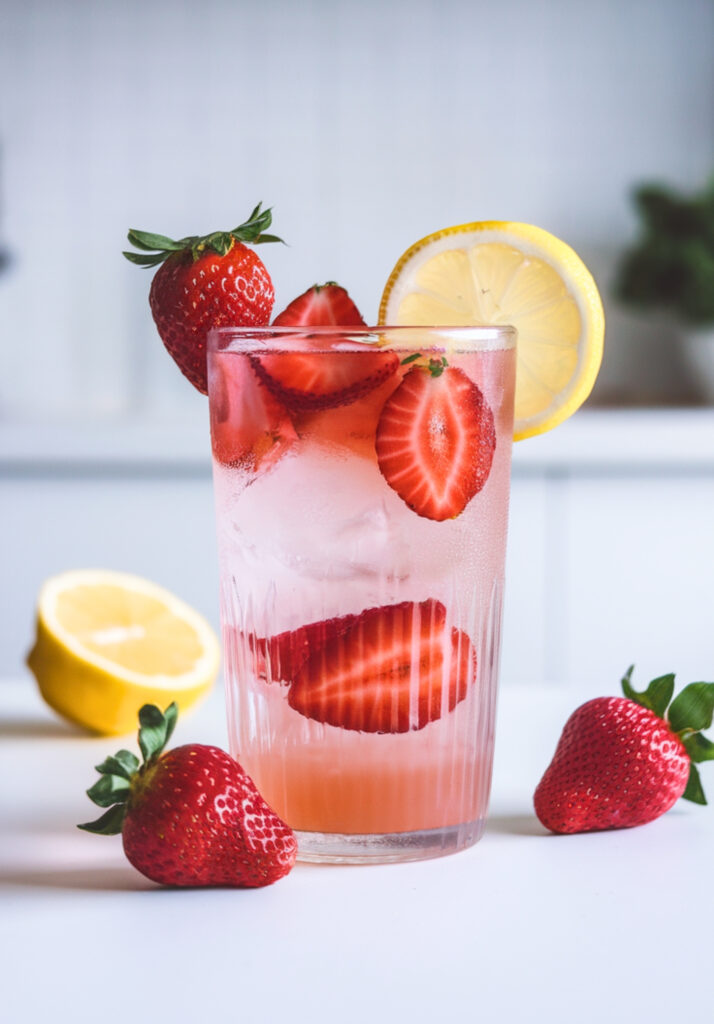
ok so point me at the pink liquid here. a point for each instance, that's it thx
(320, 534)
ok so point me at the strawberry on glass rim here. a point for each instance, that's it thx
(203, 282)
(313, 380)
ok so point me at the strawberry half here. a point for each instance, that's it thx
(435, 440)
(203, 282)
(250, 428)
(322, 305)
(305, 381)
(624, 761)
(190, 816)
(396, 668)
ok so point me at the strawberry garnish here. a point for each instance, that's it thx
(305, 381)
(624, 761)
(203, 282)
(190, 816)
(396, 668)
(250, 428)
(435, 440)
(322, 305)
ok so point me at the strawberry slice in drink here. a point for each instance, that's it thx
(306, 381)
(395, 669)
(435, 440)
(250, 428)
(281, 656)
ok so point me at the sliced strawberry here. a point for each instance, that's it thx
(250, 428)
(305, 381)
(396, 668)
(435, 441)
(323, 305)
(280, 656)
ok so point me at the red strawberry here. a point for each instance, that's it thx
(323, 305)
(280, 656)
(624, 761)
(205, 282)
(320, 380)
(435, 440)
(396, 668)
(190, 816)
(250, 428)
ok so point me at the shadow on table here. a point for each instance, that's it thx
(87, 879)
(31, 728)
(515, 825)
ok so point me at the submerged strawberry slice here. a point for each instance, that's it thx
(435, 441)
(250, 428)
(396, 668)
(280, 656)
(306, 381)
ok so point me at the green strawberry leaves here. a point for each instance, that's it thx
(122, 763)
(154, 249)
(155, 729)
(694, 791)
(657, 695)
(117, 773)
(110, 824)
(699, 747)
(691, 711)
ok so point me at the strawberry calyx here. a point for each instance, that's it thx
(157, 248)
(687, 715)
(123, 773)
(435, 366)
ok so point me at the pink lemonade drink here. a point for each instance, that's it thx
(362, 481)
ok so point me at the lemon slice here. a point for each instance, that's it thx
(498, 273)
(108, 642)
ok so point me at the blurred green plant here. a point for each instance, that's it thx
(672, 265)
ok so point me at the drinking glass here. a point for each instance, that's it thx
(361, 629)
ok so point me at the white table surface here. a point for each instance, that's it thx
(522, 927)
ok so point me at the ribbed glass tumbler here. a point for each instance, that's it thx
(362, 482)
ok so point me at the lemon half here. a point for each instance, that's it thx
(502, 272)
(108, 642)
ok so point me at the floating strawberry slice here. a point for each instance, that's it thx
(305, 381)
(435, 440)
(396, 668)
(250, 428)
(280, 657)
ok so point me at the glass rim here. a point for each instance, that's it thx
(480, 336)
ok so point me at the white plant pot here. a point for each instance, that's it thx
(698, 348)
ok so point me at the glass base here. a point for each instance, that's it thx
(387, 848)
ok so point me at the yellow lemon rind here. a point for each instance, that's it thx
(566, 262)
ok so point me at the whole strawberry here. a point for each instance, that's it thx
(190, 816)
(203, 282)
(624, 761)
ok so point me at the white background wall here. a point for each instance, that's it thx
(366, 123)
